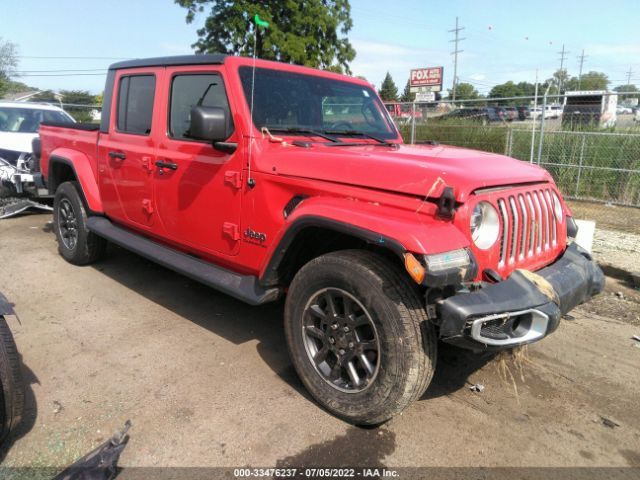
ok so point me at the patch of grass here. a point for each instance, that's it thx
(489, 138)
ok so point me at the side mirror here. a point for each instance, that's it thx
(208, 123)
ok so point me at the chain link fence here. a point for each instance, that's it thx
(589, 143)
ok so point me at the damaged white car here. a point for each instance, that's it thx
(19, 124)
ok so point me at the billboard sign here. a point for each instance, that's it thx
(426, 79)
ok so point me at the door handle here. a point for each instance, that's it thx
(118, 155)
(164, 164)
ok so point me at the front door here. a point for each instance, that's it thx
(127, 153)
(198, 194)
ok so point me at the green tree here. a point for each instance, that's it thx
(8, 63)
(527, 89)
(504, 90)
(558, 81)
(521, 89)
(11, 86)
(311, 33)
(627, 89)
(407, 96)
(44, 96)
(388, 91)
(589, 81)
(334, 68)
(78, 97)
(465, 91)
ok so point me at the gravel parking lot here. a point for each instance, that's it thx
(206, 380)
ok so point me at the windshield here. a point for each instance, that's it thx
(27, 120)
(286, 100)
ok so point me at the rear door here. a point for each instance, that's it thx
(198, 197)
(126, 154)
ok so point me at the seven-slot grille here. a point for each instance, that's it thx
(529, 225)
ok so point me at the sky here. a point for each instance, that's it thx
(68, 44)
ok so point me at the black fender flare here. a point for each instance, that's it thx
(270, 272)
(52, 185)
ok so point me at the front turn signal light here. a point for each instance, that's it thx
(414, 268)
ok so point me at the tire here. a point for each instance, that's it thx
(388, 307)
(12, 392)
(70, 220)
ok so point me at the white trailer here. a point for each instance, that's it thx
(589, 107)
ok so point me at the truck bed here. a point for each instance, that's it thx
(81, 137)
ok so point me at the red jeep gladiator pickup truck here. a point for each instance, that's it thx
(267, 180)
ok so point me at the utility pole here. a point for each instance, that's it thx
(581, 58)
(563, 56)
(629, 73)
(456, 40)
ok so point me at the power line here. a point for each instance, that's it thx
(581, 58)
(456, 31)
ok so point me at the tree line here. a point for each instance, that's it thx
(559, 83)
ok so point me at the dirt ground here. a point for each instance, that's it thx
(206, 381)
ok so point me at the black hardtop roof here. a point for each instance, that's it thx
(214, 59)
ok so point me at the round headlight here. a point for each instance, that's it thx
(557, 206)
(485, 225)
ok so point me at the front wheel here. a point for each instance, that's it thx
(358, 336)
(76, 243)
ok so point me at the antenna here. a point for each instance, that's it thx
(258, 23)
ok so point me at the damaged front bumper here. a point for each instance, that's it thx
(523, 308)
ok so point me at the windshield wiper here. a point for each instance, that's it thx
(303, 131)
(353, 133)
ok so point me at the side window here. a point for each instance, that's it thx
(190, 90)
(135, 104)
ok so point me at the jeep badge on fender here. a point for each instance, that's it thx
(250, 234)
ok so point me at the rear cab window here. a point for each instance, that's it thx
(135, 104)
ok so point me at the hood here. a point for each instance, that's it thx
(16, 141)
(421, 170)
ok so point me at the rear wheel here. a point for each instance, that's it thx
(76, 243)
(358, 336)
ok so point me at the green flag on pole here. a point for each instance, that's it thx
(260, 22)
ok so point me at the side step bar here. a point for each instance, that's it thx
(242, 287)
